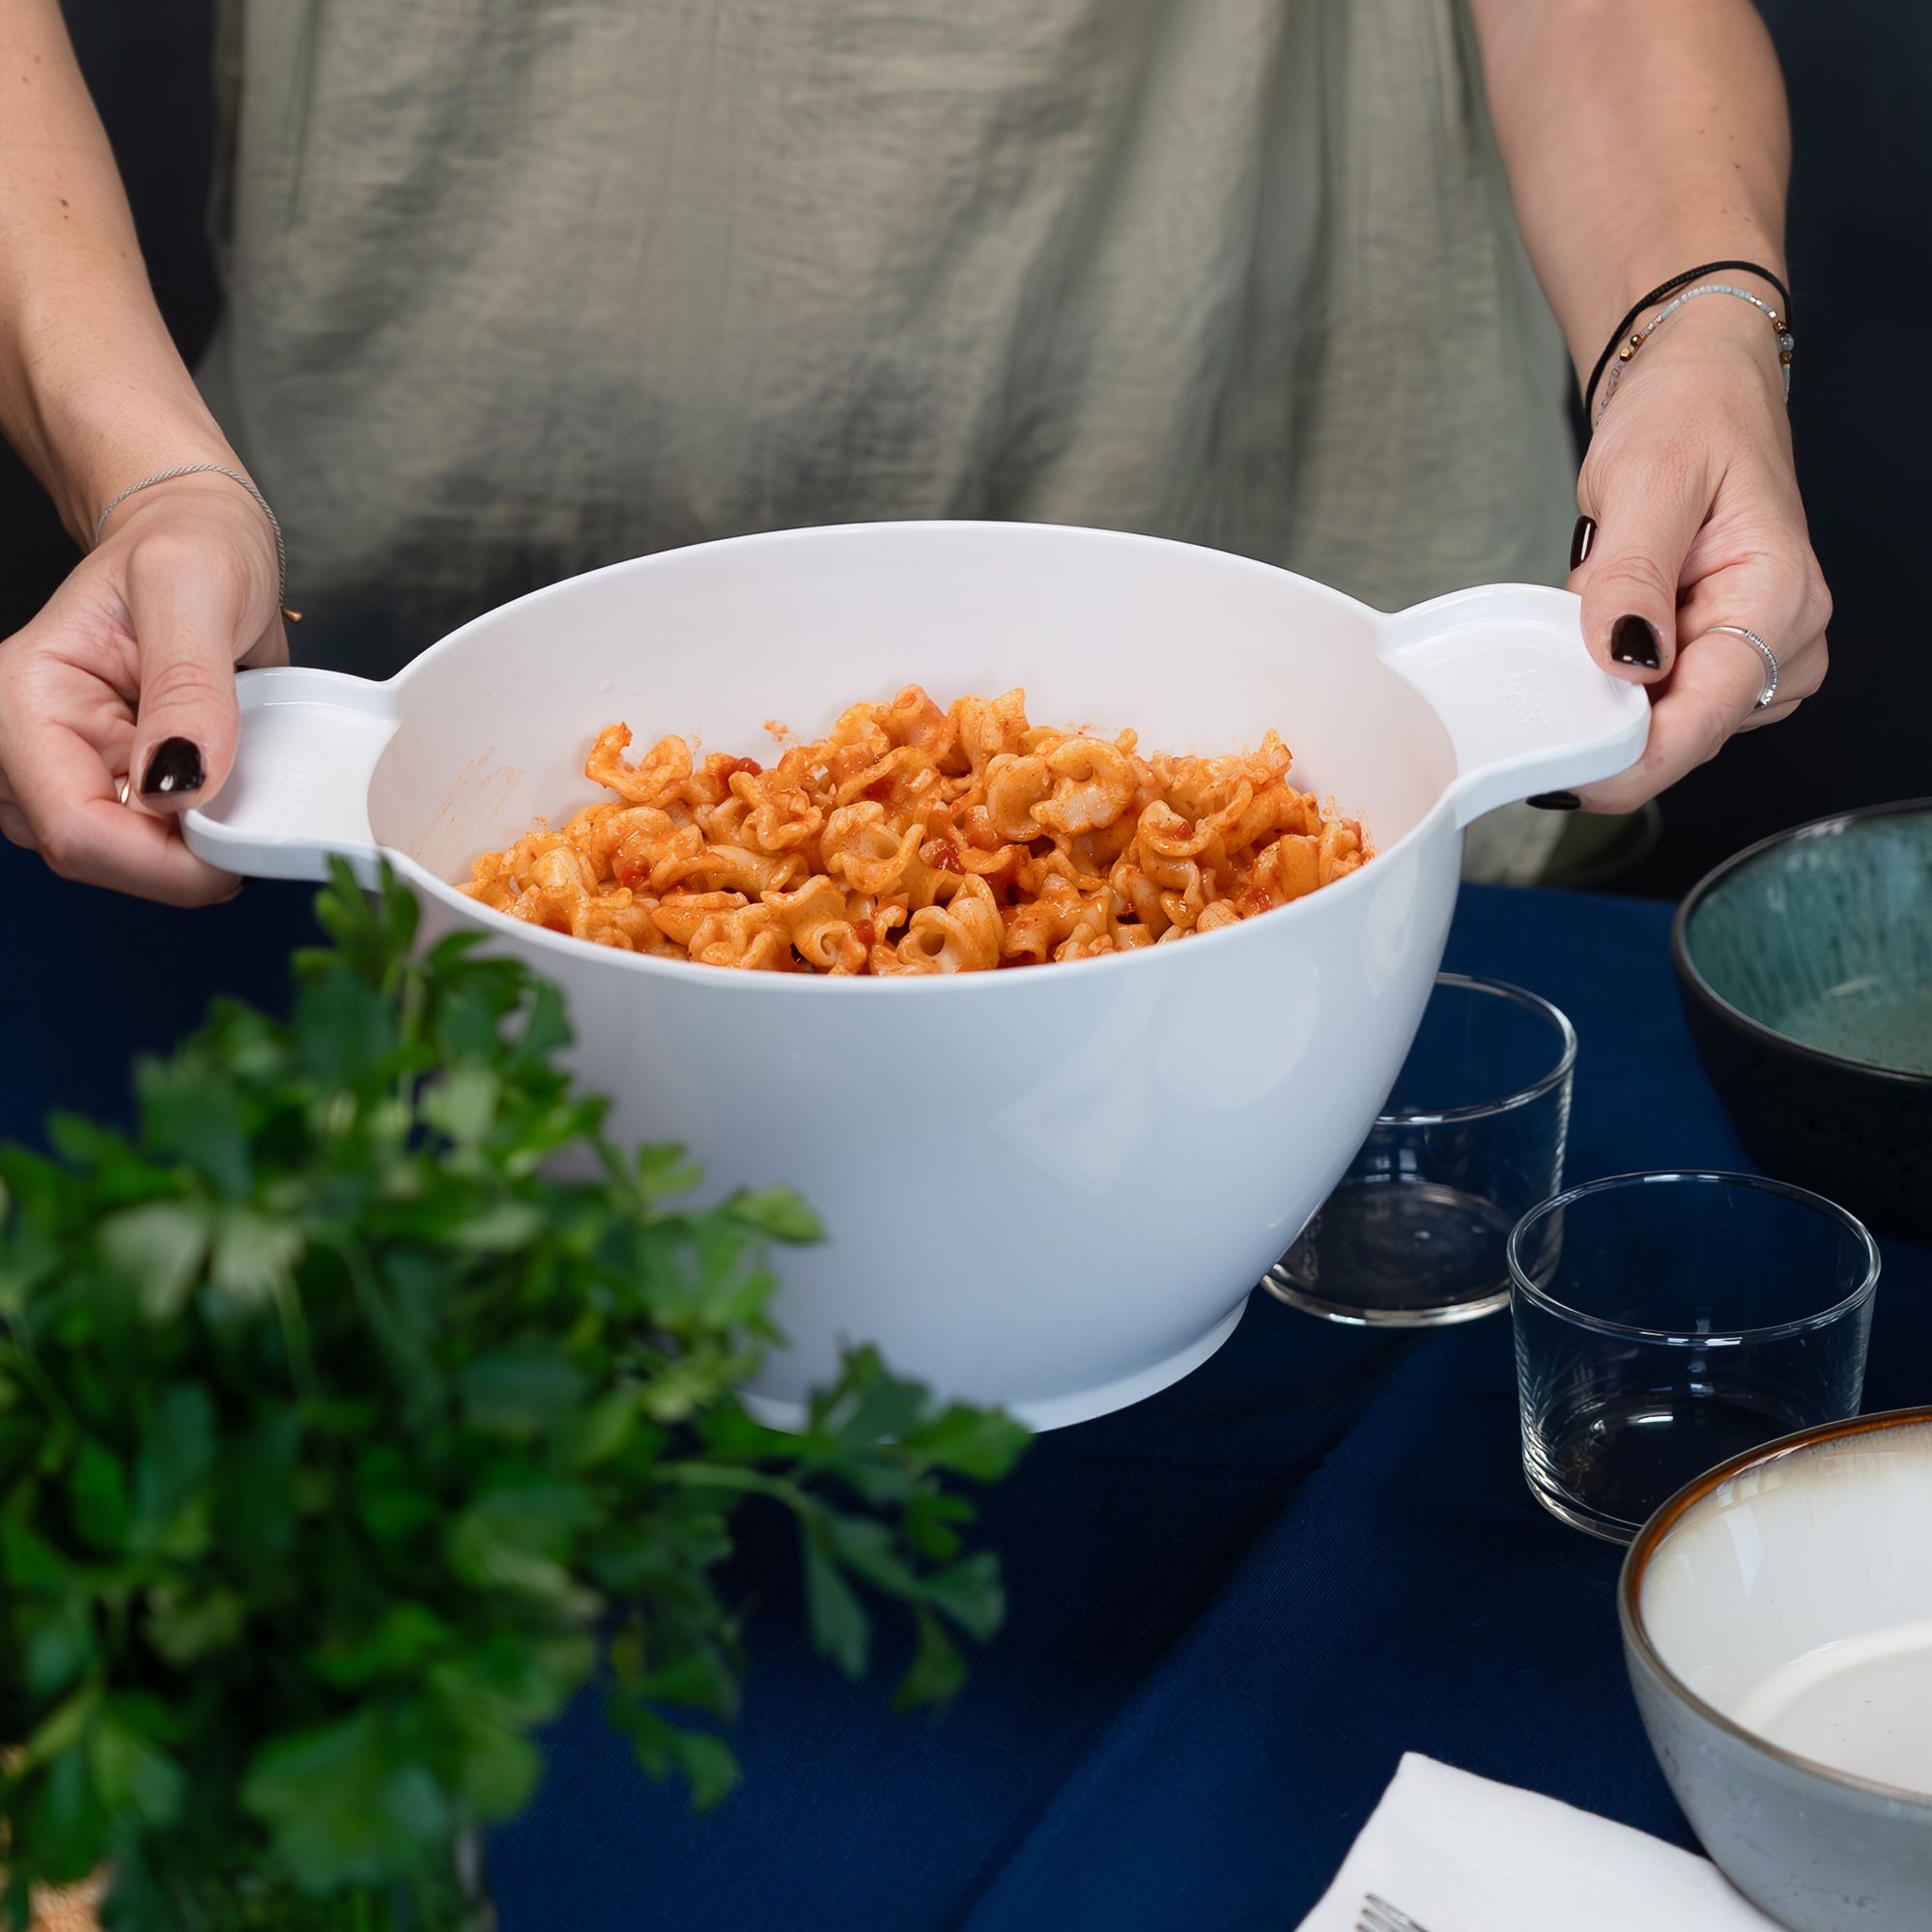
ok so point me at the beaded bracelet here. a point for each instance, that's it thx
(1786, 341)
(1656, 295)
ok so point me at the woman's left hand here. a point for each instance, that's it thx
(1690, 482)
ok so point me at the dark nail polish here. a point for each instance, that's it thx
(174, 767)
(1555, 801)
(1634, 643)
(1580, 539)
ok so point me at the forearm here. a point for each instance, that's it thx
(1641, 138)
(92, 394)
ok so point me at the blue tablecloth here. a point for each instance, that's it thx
(1232, 1606)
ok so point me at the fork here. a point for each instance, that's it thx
(1380, 1916)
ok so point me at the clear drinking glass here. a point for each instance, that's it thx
(1470, 1138)
(1666, 1322)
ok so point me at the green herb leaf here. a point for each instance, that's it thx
(171, 1470)
(344, 1807)
(840, 1629)
(131, 1774)
(502, 1228)
(488, 1767)
(516, 1540)
(191, 1116)
(253, 1486)
(344, 1030)
(664, 1173)
(61, 1728)
(405, 1638)
(159, 1247)
(709, 1765)
(937, 1672)
(59, 1647)
(594, 1432)
(98, 1488)
(57, 1816)
(969, 1593)
(977, 1442)
(928, 1524)
(254, 1255)
(779, 1212)
(521, 1392)
(183, 1630)
(464, 1104)
(519, 1674)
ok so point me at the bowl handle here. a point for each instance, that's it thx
(298, 793)
(1526, 707)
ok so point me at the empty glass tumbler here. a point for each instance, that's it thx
(1470, 1138)
(1667, 1321)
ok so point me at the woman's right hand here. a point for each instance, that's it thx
(127, 677)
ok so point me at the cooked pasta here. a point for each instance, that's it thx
(915, 839)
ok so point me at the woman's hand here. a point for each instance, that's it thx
(127, 677)
(1690, 482)
(1643, 139)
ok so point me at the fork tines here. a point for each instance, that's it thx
(1380, 1916)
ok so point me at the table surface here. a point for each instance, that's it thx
(1231, 1607)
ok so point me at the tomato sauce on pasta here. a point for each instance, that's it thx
(915, 840)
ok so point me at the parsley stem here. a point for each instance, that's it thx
(21, 1355)
(721, 1476)
(295, 1340)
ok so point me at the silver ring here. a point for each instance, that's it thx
(1764, 651)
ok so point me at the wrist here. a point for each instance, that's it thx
(206, 500)
(1722, 347)
(107, 444)
(1658, 264)
(1721, 327)
(98, 409)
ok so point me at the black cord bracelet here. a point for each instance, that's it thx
(1657, 294)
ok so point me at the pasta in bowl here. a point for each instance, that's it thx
(1050, 1187)
(911, 839)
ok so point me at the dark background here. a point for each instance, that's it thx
(1862, 308)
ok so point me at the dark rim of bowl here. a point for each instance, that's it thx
(1691, 976)
(1771, 1331)
(1544, 1083)
(1650, 1539)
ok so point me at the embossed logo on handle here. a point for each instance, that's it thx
(1524, 694)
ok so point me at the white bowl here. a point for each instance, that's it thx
(1048, 1188)
(1777, 1626)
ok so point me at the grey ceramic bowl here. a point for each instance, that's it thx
(1777, 1627)
(1804, 966)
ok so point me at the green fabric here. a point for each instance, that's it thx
(518, 286)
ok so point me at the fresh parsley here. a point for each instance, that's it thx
(365, 1403)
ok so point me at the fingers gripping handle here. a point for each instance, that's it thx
(299, 790)
(1526, 707)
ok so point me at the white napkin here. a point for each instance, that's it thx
(1459, 1854)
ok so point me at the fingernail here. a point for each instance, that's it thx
(175, 766)
(1580, 539)
(1632, 642)
(1555, 801)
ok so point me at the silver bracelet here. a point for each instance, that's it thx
(207, 470)
(1786, 341)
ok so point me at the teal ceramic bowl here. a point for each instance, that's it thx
(1804, 965)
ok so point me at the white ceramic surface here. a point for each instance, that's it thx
(1796, 1599)
(1052, 1189)
(1778, 1626)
